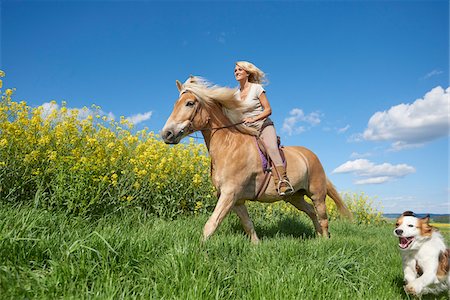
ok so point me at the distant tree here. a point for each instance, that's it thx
(440, 219)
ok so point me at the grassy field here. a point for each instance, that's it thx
(443, 228)
(48, 255)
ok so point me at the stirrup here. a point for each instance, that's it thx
(289, 188)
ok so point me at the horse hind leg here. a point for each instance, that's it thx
(299, 202)
(241, 211)
(318, 200)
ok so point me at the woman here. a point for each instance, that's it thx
(251, 79)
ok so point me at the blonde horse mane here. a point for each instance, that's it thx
(208, 94)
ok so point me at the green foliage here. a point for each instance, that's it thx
(361, 206)
(440, 219)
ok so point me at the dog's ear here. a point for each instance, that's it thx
(425, 227)
(408, 213)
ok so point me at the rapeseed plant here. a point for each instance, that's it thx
(78, 161)
(83, 162)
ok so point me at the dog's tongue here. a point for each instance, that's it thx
(404, 242)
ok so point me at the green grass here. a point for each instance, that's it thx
(128, 254)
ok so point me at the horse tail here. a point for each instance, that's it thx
(333, 194)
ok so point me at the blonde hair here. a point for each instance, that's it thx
(255, 74)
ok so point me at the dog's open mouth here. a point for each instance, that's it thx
(405, 242)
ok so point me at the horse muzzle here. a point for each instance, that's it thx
(171, 137)
(173, 134)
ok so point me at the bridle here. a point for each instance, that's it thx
(191, 127)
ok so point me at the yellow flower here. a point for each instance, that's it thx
(114, 177)
(198, 206)
(3, 143)
(52, 155)
(197, 179)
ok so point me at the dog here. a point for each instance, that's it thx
(424, 255)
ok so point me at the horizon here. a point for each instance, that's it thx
(364, 85)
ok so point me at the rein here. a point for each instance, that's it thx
(191, 127)
(212, 128)
(222, 127)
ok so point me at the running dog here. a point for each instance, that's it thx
(424, 254)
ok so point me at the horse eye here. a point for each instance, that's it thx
(190, 103)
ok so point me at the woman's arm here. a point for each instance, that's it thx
(267, 110)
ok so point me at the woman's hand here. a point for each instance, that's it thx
(248, 120)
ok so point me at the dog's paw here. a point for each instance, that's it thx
(409, 289)
(414, 288)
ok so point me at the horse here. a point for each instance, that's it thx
(236, 168)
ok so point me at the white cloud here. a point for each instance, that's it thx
(417, 204)
(433, 73)
(83, 113)
(343, 129)
(138, 118)
(411, 125)
(360, 155)
(221, 39)
(373, 180)
(48, 108)
(397, 146)
(291, 124)
(370, 173)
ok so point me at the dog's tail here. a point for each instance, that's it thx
(333, 194)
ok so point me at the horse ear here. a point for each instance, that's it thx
(179, 86)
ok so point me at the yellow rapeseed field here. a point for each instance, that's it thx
(81, 161)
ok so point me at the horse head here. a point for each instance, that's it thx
(187, 115)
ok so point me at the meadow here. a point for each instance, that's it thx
(92, 209)
(130, 254)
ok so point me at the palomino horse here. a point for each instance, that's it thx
(236, 167)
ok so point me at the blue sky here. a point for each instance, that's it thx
(364, 84)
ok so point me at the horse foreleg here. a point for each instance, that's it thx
(299, 202)
(224, 205)
(241, 211)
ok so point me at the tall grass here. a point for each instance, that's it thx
(128, 254)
